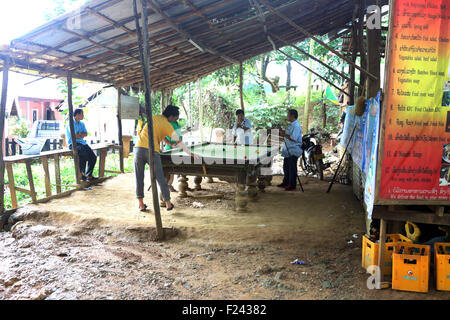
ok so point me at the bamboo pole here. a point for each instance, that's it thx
(119, 122)
(200, 107)
(308, 91)
(241, 80)
(2, 128)
(314, 58)
(313, 72)
(72, 129)
(144, 51)
(309, 35)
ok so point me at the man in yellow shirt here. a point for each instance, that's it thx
(161, 129)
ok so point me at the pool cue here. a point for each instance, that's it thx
(298, 178)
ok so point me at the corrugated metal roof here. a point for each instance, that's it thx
(99, 41)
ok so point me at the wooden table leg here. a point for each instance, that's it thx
(30, 180)
(381, 251)
(57, 174)
(251, 187)
(12, 186)
(48, 186)
(261, 183)
(198, 182)
(101, 165)
(241, 198)
(182, 186)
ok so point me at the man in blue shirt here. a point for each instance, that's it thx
(292, 150)
(85, 153)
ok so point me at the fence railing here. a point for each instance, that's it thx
(12, 148)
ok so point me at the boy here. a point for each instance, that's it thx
(85, 153)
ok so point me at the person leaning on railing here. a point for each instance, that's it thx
(85, 153)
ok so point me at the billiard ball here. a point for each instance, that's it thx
(245, 157)
(257, 151)
(235, 146)
(223, 149)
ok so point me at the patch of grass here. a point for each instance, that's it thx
(67, 176)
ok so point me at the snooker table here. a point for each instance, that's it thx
(242, 163)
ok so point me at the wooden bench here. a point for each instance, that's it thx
(44, 157)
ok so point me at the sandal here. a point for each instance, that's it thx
(144, 209)
(168, 209)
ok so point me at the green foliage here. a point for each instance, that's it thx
(219, 109)
(268, 116)
(18, 127)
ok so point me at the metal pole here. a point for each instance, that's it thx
(2, 128)
(144, 50)
(72, 129)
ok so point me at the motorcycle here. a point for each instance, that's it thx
(312, 157)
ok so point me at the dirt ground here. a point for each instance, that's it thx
(97, 245)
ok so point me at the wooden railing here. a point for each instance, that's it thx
(44, 158)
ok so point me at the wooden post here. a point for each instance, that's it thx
(72, 129)
(163, 103)
(362, 50)
(241, 85)
(101, 164)
(30, 181)
(200, 107)
(12, 185)
(48, 186)
(382, 250)
(308, 91)
(352, 67)
(191, 122)
(2, 128)
(374, 59)
(57, 174)
(119, 121)
(144, 51)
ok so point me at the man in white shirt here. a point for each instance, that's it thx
(242, 129)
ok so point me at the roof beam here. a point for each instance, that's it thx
(196, 42)
(308, 34)
(55, 71)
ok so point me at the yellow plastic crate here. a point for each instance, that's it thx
(370, 251)
(411, 267)
(442, 265)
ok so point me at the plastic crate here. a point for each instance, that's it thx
(370, 250)
(410, 267)
(442, 265)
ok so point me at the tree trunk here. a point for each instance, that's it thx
(274, 83)
(308, 91)
(288, 81)
(324, 112)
